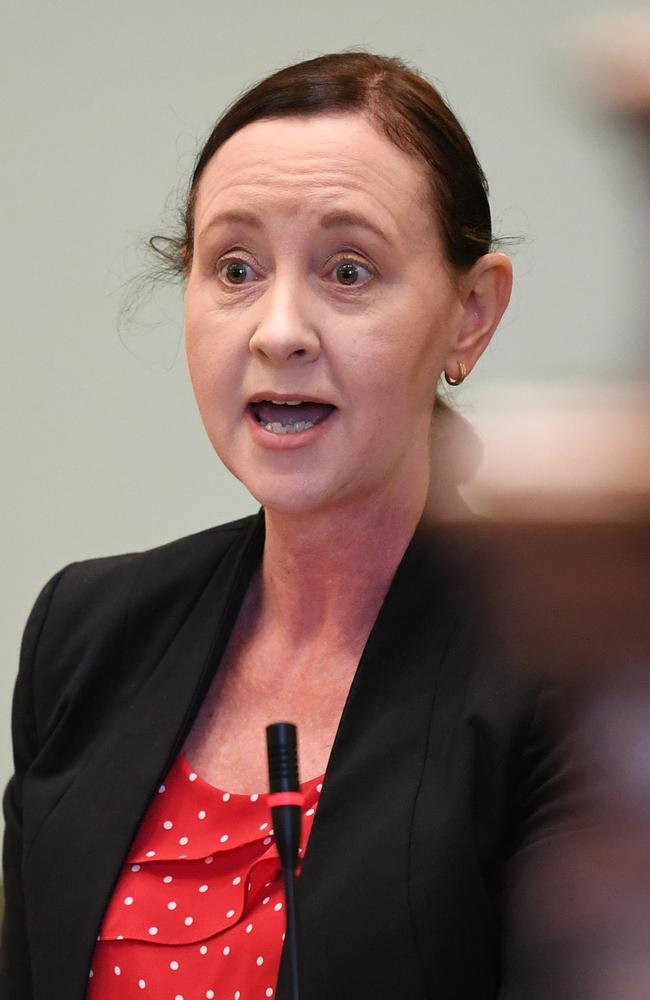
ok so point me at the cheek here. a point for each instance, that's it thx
(195, 338)
(211, 362)
(433, 331)
(404, 357)
(201, 324)
(202, 367)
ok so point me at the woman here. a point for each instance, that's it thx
(337, 258)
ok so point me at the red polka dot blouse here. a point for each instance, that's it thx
(198, 909)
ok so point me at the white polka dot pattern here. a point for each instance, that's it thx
(225, 888)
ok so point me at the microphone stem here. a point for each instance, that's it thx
(291, 922)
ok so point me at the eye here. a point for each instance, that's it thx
(234, 270)
(349, 271)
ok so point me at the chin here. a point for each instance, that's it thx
(287, 495)
(280, 502)
(294, 491)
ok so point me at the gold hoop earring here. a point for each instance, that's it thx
(462, 375)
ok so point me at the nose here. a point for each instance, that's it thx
(283, 330)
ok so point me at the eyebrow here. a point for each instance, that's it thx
(330, 220)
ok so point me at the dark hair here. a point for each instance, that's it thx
(397, 100)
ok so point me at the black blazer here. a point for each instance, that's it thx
(438, 774)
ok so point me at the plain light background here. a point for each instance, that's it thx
(104, 108)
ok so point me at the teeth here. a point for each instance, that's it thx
(277, 428)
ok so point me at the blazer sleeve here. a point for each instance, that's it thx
(15, 975)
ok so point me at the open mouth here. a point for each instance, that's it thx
(289, 417)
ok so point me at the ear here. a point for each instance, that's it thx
(484, 293)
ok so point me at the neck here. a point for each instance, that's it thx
(325, 573)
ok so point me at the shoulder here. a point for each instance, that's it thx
(85, 612)
(181, 563)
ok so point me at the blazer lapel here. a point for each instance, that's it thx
(89, 831)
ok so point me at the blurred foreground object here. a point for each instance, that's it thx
(564, 451)
(562, 490)
(563, 553)
(613, 55)
(562, 547)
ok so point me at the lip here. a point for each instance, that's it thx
(287, 442)
(282, 397)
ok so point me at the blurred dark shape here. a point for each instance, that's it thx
(580, 902)
(560, 552)
(562, 545)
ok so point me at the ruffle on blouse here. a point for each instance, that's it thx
(202, 860)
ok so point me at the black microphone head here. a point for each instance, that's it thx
(282, 750)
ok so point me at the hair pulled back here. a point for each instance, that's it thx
(400, 103)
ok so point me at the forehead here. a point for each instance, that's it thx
(298, 167)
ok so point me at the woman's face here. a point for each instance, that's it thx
(318, 275)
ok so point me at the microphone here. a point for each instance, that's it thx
(285, 801)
